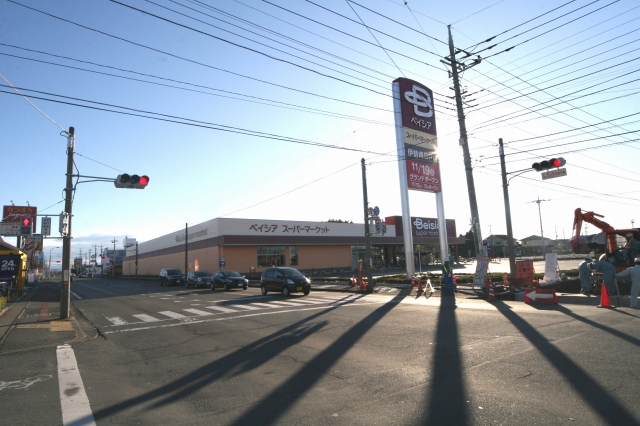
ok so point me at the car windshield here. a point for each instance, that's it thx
(174, 272)
(232, 274)
(290, 272)
(202, 274)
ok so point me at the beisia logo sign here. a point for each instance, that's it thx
(420, 98)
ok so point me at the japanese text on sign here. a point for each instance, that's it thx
(294, 229)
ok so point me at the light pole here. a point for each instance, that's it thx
(49, 273)
(113, 270)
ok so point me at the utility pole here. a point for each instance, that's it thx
(136, 259)
(475, 217)
(542, 244)
(65, 292)
(186, 249)
(113, 268)
(367, 234)
(507, 213)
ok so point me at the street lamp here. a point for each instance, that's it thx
(50, 260)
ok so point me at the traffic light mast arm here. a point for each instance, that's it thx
(94, 179)
(519, 172)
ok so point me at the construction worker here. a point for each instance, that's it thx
(608, 273)
(630, 248)
(447, 279)
(585, 276)
(634, 273)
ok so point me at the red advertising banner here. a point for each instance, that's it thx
(417, 106)
(16, 213)
(422, 176)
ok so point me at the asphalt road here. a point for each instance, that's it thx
(169, 356)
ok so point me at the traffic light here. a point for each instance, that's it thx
(549, 164)
(131, 181)
(384, 228)
(25, 226)
(378, 223)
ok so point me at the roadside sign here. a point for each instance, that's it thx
(10, 229)
(540, 296)
(553, 174)
(482, 266)
(376, 211)
(16, 213)
(45, 226)
(222, 262)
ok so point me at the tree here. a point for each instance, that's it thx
(469, 243)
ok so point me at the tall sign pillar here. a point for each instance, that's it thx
(419, 167)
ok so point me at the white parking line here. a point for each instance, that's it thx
(76, 409)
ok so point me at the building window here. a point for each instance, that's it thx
(270, 256)
(293, 255)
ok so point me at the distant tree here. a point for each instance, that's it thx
(339, 221)
(469, 243)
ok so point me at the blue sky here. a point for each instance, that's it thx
(575, 64)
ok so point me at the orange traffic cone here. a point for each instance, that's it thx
(604, 298)
(492, 294)
(420, 284)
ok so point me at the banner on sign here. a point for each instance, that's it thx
(482, 266)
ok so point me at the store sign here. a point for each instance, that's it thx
(16, 213)
(288, 229)
(9, 267)
(418, 140)
(428, 227)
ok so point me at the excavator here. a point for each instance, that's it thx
(612, 241)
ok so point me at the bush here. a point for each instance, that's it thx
(3, 302)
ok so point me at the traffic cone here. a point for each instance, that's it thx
(604, 298)
(455, 281)
(492, 294)
(420, 284)
(413, 281)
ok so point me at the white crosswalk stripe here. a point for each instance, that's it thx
(247, 307)
(116, 320)
(287, 303)
(262, 305)
(146, 318)
(220, 308)
(198, 312)
(174, 315)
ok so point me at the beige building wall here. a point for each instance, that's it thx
(240, 258)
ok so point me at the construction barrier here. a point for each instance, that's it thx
(540, 296)
(492, 293)
(524, 271)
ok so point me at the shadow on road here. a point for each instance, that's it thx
(447, 400)
(592, 393)
(252, 356)
(612, 331)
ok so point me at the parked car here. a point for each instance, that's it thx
(199, 278)
(171, 276)
(285, 281)
(229, 280)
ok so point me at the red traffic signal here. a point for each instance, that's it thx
(26, 221)
(131, 181)
(549, 164)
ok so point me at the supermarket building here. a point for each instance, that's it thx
(252, 245)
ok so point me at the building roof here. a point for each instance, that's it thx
(6, 246)
(535, 237)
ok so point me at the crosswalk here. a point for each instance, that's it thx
(189, 314)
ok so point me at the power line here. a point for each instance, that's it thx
(190, 122)
(191, 60)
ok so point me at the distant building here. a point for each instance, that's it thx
(535, 245)
(111, 258)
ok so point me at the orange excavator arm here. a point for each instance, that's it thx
(589, 217)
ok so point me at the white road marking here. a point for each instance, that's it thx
(310, 301)
(78, 297)
(116, 320)
(264, 305)
(247, 307)
(24, 383)
(76, 409)
(199, 312)
(173, 315)
(287, 303)
(221, 309)
(146, 318)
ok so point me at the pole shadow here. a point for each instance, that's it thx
(281, 399)
(447, 395)
(609, 409)
(612, 331)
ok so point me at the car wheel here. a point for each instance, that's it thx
(306, 292)
(244, 287)
(285, 291)
(264, 290)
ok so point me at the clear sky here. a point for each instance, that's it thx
(218, 72)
